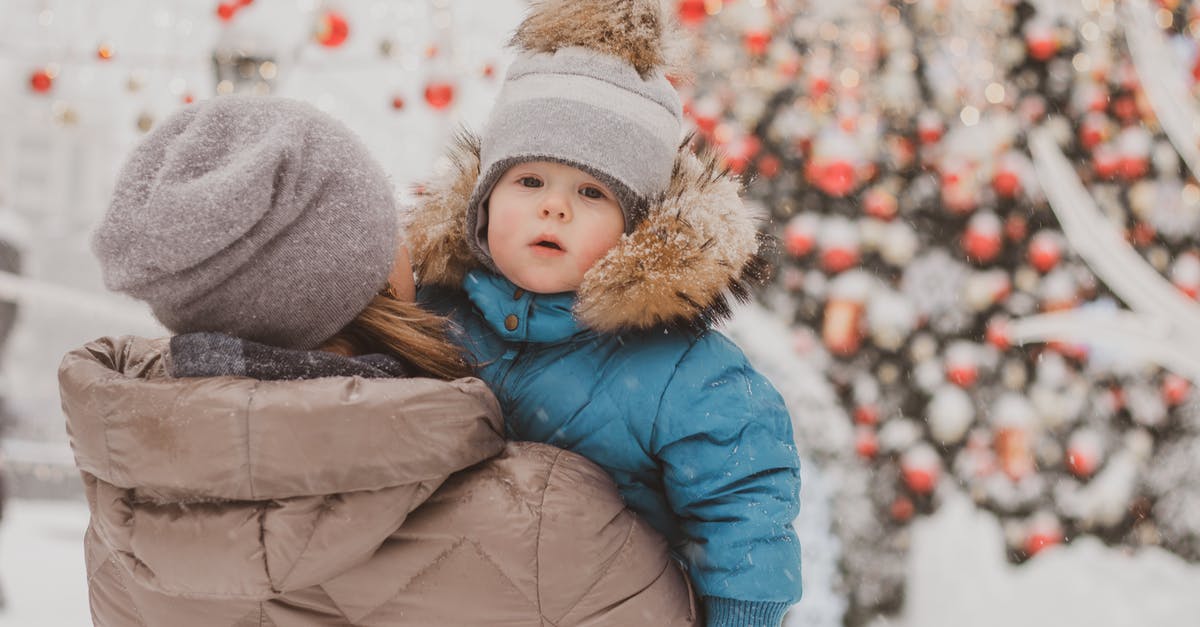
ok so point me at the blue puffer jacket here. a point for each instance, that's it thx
(627, 373)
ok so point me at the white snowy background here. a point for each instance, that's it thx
(55, 179)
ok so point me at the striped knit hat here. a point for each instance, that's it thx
(588, 89)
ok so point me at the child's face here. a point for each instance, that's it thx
(548, 224)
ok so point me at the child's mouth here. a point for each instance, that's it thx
(548, 244)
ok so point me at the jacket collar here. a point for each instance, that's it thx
(520, 316)
(697, 246)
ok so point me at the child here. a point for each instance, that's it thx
(585, 255)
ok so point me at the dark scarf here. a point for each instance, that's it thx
(217, 354)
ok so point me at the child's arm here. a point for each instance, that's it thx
(731, 473)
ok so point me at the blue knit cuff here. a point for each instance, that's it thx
(722, 612)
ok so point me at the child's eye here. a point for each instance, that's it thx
(529, 181)
(592, 192)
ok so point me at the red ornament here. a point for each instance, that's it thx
(398, 103)
(1133, 168)
(245, 3)
(104, 52)
(768, 166)
(1042, 42)
(1105, 161)
(1143, 234)
(836, 178)
(930, 127)
(921, 468)
(1094, 130)
(866, 444)
(920, 480)
(706, 123)
(1045, 251)
(800, 235)
(962, 375)
(226, 11)
(692, 12)
(880, 203)
(489, 70)
(1125, 109)
(1043, 535)
(982, 242)
(1039, 541)
(332, 30)
(818, 85)
(997, 334)
(756, 41)
(838, 259)
(1006, 183)
(1175, 389)
(866, 414)
(961, 364)
(41, 81)
(740, 153)
(1083, 453)
(902, 509)
(189, 98)
(439, 94)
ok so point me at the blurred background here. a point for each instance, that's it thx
(983, 315)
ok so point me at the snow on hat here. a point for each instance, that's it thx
(588, 89)
(259, 217)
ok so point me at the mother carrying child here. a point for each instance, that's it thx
(306, 449)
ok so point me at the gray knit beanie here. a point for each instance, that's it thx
(588, 89)
(259, 217)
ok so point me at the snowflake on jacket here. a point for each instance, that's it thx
(628, 372)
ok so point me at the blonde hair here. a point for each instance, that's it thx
(405, 331)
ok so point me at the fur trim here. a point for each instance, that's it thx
(698, 246)
(436, 230)
(641, 32)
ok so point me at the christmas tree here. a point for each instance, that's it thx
(919, 159)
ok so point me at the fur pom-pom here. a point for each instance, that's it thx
(642, 32)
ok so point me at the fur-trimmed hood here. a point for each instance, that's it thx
(698, 245)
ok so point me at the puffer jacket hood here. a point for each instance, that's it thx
(381, 448)
(698, 246)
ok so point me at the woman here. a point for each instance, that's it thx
(304, 451)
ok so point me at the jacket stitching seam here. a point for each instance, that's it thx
(312, 532)
(249, 464)
(663, 397)
(121, 574)
(537, 563)
(607, 568)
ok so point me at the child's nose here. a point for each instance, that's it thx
(556, 207)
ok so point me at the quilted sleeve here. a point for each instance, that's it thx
(724, 440)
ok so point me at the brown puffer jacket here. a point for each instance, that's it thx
(228, 501)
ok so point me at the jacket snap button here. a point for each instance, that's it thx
(511, 322)
(518, 294)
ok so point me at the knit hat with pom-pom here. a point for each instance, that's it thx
(588, 89)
